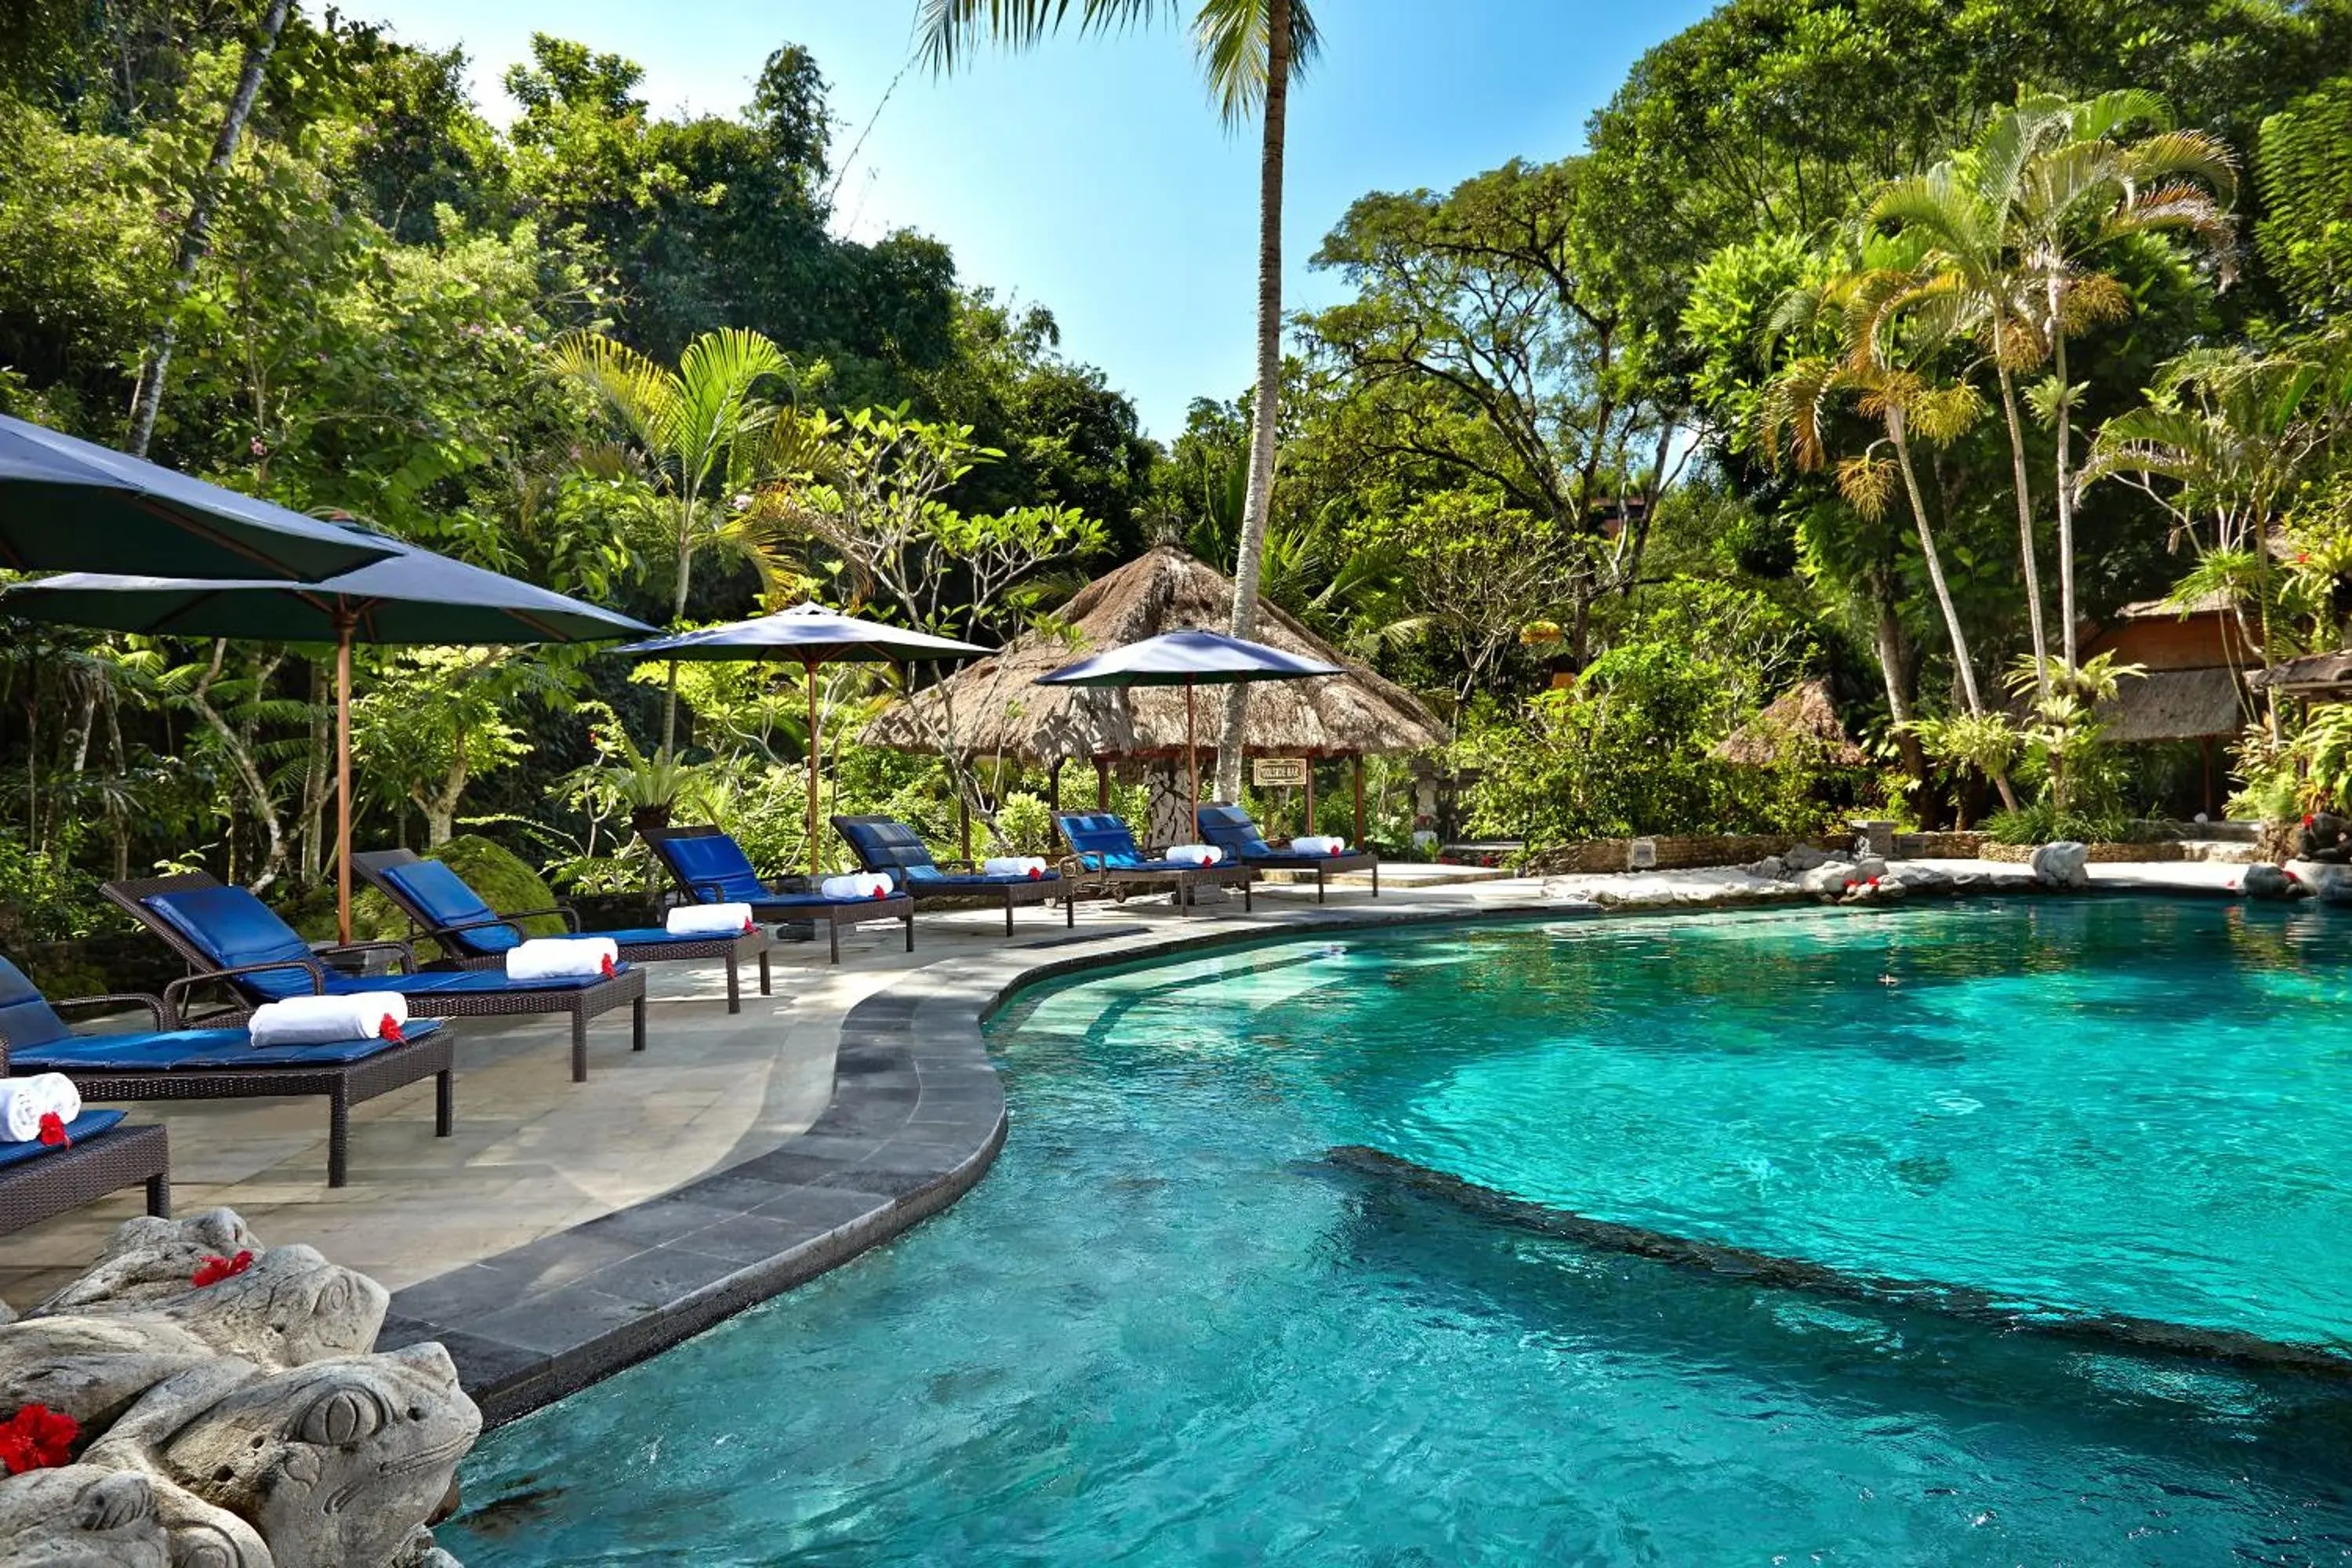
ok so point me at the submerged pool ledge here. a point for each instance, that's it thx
(917, 1117)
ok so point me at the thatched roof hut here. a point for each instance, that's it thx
(2176, 705)
(994, 707)
(2327, 677)
(1804, 712)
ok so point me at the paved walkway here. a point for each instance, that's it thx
(737, 1154)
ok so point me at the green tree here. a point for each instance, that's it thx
(702, 430)
(1249, 49)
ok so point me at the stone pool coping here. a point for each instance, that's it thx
(917, 1117)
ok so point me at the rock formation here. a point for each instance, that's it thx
(227, 1413)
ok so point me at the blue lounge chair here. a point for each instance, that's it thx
(711, 868)
(443, 909)
(164, 1063)
(1103, 851)
(233, 938)
(1229, 827)
(886, 846)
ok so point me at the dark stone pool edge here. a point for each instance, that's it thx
(916, 1118)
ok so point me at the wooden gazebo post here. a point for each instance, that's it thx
(1102, 783)
(1359, 799)
(1310, 792)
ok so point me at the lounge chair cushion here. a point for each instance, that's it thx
(444, 982)
(654, 936)
(89, 1124)
(445, 900)
(25, 1017)
(199, 1050)
(943, 882)
(893, 847)
(232, 928)
(1229, 827)
(806, 901)
(714, 867)
(1103, 841)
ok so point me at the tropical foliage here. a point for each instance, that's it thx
(1886, 344)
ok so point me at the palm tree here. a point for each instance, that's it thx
(700, 429)
(1249, 50)
(1799, 400)
(2078, 191)
(1957, 210)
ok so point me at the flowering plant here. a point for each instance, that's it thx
(36, 1438)
(213, 1270)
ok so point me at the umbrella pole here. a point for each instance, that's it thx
(1192, 763)
(809, 666)
(344, 628)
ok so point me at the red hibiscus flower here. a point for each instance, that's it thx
(387, 1028)
(881, 892)
(750, 925)
(213, 1270)
(610, 970)
(53, 1130)
(37, 1438)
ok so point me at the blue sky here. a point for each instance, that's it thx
(1092, 176)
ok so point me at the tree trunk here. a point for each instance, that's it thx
(678, 613)
(1960, 659)
(2025, 519)
(157, 363)
(2066, 485)
(1266, 403)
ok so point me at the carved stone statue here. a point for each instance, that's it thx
(235, 1423)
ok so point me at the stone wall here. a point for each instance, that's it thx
(1939, 845)
(2096, 854)
(1673, 854)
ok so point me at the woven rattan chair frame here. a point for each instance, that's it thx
(117, 1158)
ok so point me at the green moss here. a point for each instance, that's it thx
(496, 873)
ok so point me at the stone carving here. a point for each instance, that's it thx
(2323, 837)
(239, 1423)
(2268, 881)
(2065, 864)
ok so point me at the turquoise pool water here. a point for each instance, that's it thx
(1166, 1330)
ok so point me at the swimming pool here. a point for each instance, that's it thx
(1167, 1328)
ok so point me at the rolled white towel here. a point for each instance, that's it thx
(22, 1106)
(563, 958)
(1028, 866)
(59, 1092)
(709, 920)
(1309, 844)
(1196, 854)
(324, 1020)
(856, 885)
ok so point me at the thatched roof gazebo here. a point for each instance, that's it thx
(994, 707)
(1803, 713)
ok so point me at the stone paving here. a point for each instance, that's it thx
(568, 1228)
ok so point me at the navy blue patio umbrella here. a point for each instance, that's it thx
(69, 505)
(816, 637)
(1191, 659)
(410, 596)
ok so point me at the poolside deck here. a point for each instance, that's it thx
(568, 1228)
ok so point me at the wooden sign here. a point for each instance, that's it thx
(1277, 772)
